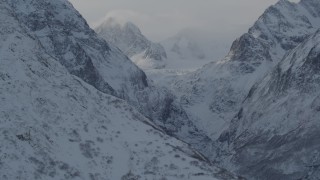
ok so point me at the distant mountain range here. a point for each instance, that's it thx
(193, 48)
(187, 49)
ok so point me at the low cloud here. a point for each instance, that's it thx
(159, 20)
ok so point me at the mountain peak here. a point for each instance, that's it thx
(120, 25)
(284, 2)
(185, 45)
(130, 26)
(285, 25)
(116, 23)
(129, 39)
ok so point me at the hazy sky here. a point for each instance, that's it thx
(160, 19)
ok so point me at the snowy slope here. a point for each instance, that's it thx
(188, 51)
(129, 39)
(276, 133)
(65, 36)
(54, 125)
(214, 93)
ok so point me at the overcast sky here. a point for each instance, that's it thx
(160, 19)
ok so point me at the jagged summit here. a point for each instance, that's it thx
(116, 25)
(112, 21)
(280, 28)
(129, 39)
(286, 23)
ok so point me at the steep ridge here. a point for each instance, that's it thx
(128, 37)
(54, 125)
(65, 36)
(276, 133)
(214, 94)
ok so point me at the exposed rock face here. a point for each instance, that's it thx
(133, 43)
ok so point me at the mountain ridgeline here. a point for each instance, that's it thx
(75, 107)
(259, 101)
(264, 95)
(65, 36)
(129, 39)
(74, 103)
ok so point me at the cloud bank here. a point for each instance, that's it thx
(161, 19)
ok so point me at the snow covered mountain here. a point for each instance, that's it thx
(65, 36)
(276, 132)
(214, 93)
(267, 130)
(55, 126)
(184, 45)
(192, 48)
(75, 107)
(129, 39)
(58, 122)
(60, 112)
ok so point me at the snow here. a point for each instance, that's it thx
(73, 106)
(281, 113)
(147, 63)
(214, 96)
(54, 125)
(129, 39)
(221, 81)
